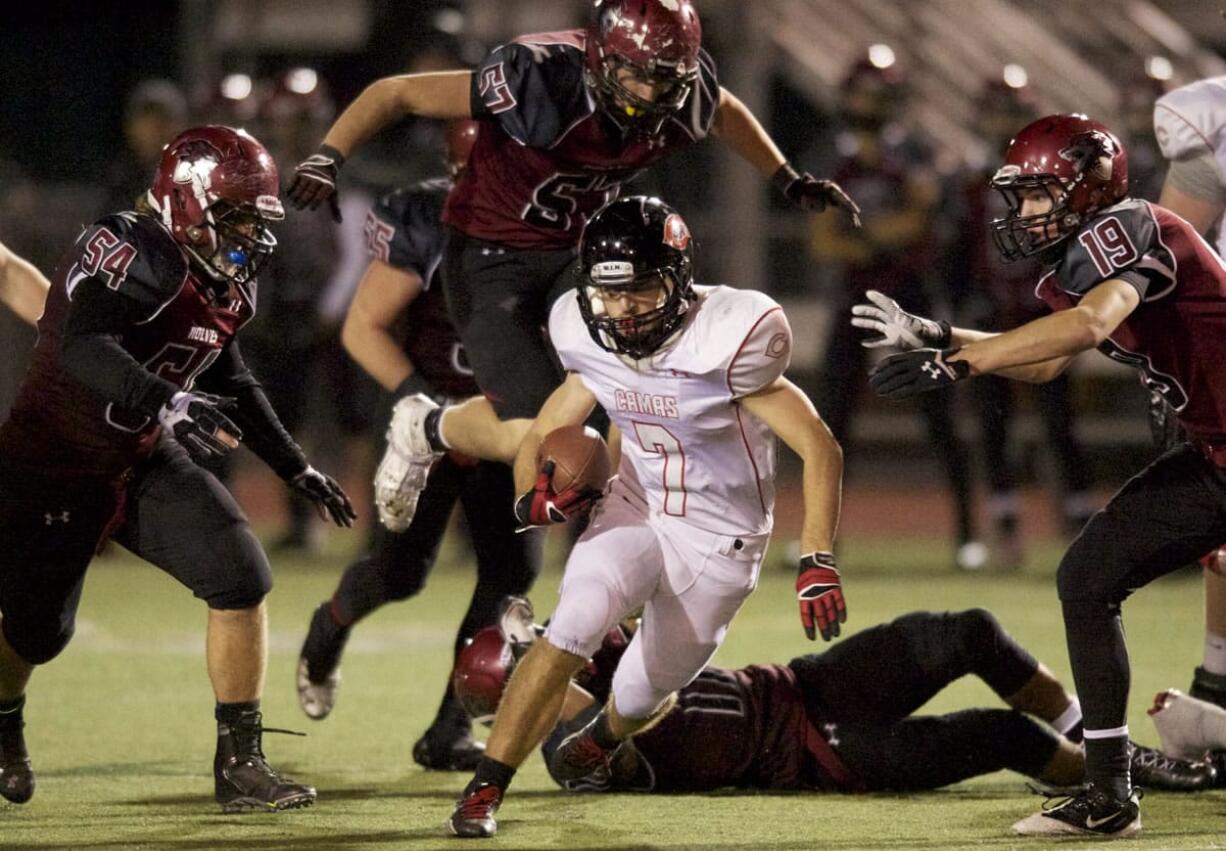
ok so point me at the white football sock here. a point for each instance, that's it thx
(1068, 719)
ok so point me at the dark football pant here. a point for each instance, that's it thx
(860, 694)
(838, 393)
(1165, 517)
(499, 300)
(178, 517)
(398, 565)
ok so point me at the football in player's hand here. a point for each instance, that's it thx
(580, 458)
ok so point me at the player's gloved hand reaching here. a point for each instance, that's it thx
(813, 194)
(821, 595)
(908, 374)
(196, 421)
(541, 506)
(315, 181)
(892, 326)
(330, 500)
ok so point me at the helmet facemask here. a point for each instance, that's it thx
(635, 334)
(235, 243)
(631, 112)
(1017, 236)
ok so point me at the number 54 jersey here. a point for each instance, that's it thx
(688, 446)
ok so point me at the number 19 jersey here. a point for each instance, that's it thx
(687, 444)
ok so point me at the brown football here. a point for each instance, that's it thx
(579, 454)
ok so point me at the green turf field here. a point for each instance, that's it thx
(120, 726)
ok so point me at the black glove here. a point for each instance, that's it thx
(315, 181)
(820, 591)
(809, 193)
(908, 374)
(330, 501)
(196, 421)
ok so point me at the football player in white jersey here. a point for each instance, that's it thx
(692, 377)
(1190, 123)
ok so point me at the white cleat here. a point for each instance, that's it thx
(406, 464)
(1187, 726)
(317, 699)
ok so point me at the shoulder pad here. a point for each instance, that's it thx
(568, 333)
(1123, 241)
(753, 334)
(404, 229)
(533, 89)
(133, 255)
(1190, 119)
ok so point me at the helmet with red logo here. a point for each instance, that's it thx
(652, 42)
(461, 137)
(481, 673)
(1081, 166)
(215, 190)
(635, 245)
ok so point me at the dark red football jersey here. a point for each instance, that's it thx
(61, 427)
(545, 159)
(1176, 337)
(404, 230)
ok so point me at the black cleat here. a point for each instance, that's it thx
(244, 780)
(580, 756)
(473, 816)
(1091, 812)
(1209, 687)
(319, 676)
(447, 748)
(1153, 769)
(16, 775)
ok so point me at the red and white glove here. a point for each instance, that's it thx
(821, 595)
(541, 506)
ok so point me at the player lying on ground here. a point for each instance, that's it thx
(840, 721)
(693, 379)
(1137, 282)
(398, 331)
(23, 289)
(103, 440)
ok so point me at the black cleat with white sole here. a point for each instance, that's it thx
(16, 775)
(244, 780)
(1090, 812)
(1152, 769)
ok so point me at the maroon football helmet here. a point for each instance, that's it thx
(1077, 161)
(215, 190)
(461, 136)
(657, 41)
(481, 673)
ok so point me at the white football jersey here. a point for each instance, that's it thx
(1192, 120)
(688, 446)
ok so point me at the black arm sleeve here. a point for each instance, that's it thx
(92, 353)
(262, 429)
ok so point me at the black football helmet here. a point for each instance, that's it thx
(633, 244)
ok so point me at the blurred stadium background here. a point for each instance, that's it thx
(919, 91)
(905, 100)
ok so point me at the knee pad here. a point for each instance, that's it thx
(995, 656)
(39, 649)
(587, 610)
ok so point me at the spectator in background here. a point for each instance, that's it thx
(156, 110)
(886, 170)
(989, 293)
(1190, 129)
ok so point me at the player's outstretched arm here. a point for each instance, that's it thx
(740, 130)
(790, 414)
(23, 289)
(368, 333)
(440, 94)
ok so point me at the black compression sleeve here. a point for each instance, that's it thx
(92, 353)
(262, 429)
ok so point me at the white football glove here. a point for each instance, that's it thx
(892, 326)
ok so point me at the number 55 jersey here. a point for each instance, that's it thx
(1176, 337)
(688, 446)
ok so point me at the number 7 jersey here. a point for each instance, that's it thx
(687, 444)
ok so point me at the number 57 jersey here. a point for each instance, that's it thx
(688, 446)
